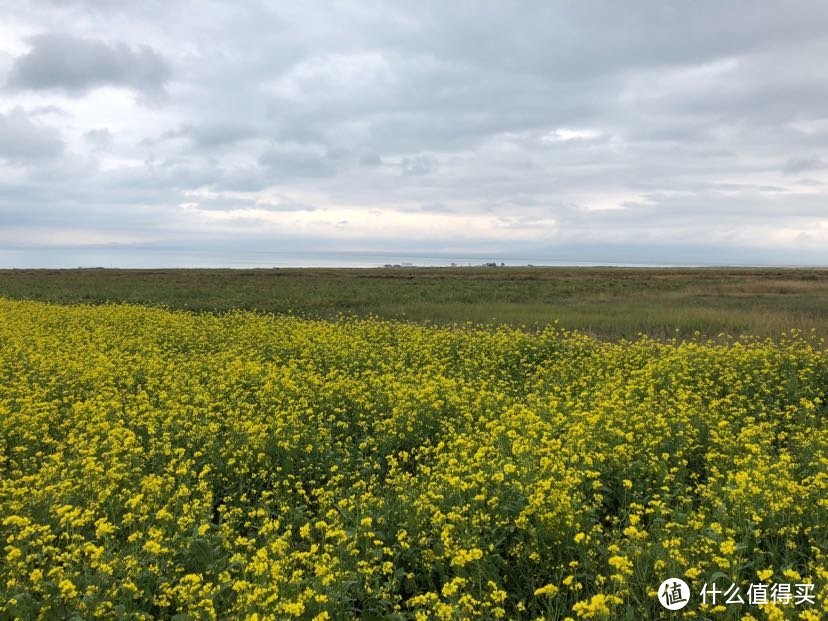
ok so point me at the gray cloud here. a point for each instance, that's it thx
(228, 203)
(60, 61)
(221, 133)
(370, 159)
(99, 137)
(418, 166)
(23, 140)
(436, 208)
(803, 164)
(516, 125)
(286, 162)
(207, 135)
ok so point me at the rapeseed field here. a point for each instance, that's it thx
(160, 464)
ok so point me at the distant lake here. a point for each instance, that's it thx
(235, 257)
(156, 258)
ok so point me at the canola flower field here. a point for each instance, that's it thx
(160, 464)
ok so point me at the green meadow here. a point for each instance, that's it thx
(610, 303)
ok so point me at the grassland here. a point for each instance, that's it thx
(607, 302)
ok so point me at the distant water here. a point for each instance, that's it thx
(154, 258)
(380, 259)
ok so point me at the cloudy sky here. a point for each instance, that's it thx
(202, 133)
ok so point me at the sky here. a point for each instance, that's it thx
(143, 134)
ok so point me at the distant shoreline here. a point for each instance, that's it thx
(402, 266)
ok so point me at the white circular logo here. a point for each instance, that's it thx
(674, 594)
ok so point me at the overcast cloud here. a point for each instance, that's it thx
(197, 133)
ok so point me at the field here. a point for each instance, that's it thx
(236, 465)
(609, 303)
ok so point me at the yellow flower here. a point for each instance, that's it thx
(464, 557)
(67, 589)
(153, 547)
(621, 564)
(598, 606)
(548, 590)
(727, 547)
(308, 464)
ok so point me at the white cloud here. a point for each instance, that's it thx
(565, 135)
